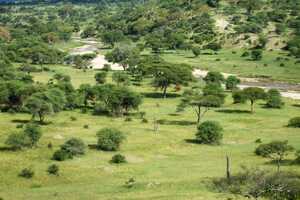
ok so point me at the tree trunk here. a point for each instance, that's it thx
(252, 106)
(165, 92)
(228, 174)
(199, 115)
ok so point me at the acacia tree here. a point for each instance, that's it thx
(166, 74)
(253, 94)
(201, 102)
(276, 150)
(44, 103)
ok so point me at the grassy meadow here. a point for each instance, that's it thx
(164, 165)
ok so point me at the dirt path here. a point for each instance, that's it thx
(91, 45)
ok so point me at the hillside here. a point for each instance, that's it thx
(150, 99)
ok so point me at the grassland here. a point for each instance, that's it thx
(163, 164)
(230, 61)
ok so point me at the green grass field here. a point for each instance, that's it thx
(163, 164)
(233, 63)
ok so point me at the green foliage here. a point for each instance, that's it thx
(274, 99)
(294, 122)
(121, 78)
(276, 150)
(118, 159)
(253, 94)
(53, 170)
(17, 141)
(258, 184)
(256, 54)
(101, 77)
(34, 133)
(239, 96)
(26, 173)
(109, 139)
(209, 132)
(196, 51)
(232, 82)
(74, 147)
(214, 77)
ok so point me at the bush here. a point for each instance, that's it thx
(239, 97)
(297, 160)
(294, 122)
(256, 54)
(118, 158)
(145, 120)
(74, 147)
(245, 54)
(17, 141)
(34, 133)
(100, 77)
(53, 170)
(196, 51)
(256, 183)
(209, 132)
(61, 155)
(232, 82)
(109, 139)
(26, 173)
(274, 99)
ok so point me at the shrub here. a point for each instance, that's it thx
(33, 132)
(145, 120)
(196, 51)
(26, 173)
(257, 183)
(61, 155)
(256, 54)
(17, 141)
(118, 158)
(72, 118)
(86, 126)
(100, 77)
(297, 160)
(209, 132)
(53, 170)
(239, 97)
(109, 139)
(274, 99)
(294, 122)
(245, 54)
(232, 82)
(128, 119)
(74, 147)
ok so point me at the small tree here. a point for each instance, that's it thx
(109, 139)
(232, 82)
(34, 133)
(294, 122)
(196, 51)
(214, 77)
(121, 78)
(209, 132)
(276, 150)
(100, 77)
(274, 99)
(256, 54)
(253, 94)
(200, 102)
(74, 147)
(53, 170)
(17, 141)
(118, 159)
(239, 96)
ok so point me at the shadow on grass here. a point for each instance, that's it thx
(235, 111)
(6, 148)
(192, 141)
(25, 121)
(296, 105)
(159, 95)
(175, 122)
(286, 162)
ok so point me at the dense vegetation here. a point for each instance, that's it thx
(153, 129)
